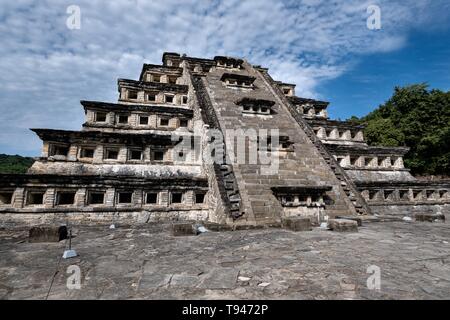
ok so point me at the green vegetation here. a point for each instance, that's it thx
(14, 164)
(419, 119)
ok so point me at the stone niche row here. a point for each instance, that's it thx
(114, 154)
(41, 197)
(238, 81)
(160, 77)
(303, 200)
(336, 134)
(354, 161)
(149, 96)
(137, 120)
(407, 195)
(311, 112)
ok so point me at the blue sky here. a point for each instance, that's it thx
(323, 46)
(424, 58)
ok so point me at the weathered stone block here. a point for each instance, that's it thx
(297, 224)
(429, 217)
(47, 234)
(183, 229)
(211, 226)
(354, 218)
(343, 225)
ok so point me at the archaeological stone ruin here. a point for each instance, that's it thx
(218, 141)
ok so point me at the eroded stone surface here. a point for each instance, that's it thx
(343, 225)
(297, 224)
(150, 263)
(429, 217)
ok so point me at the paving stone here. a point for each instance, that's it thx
(412, 257)
(153, 281)
(230, 261)
(220, 278)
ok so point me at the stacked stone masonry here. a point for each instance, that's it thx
(147, 157)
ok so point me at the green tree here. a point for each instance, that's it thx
(419, 119)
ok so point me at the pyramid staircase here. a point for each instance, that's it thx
(347, 184)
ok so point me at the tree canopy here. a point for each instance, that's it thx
(418, 118)
(14, 164)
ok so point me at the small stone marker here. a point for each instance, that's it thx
(343, 225)
(297, 224)
(184, 229)
(429, 217)
(47, 234)
(70, 253)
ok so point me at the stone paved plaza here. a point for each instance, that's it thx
(149, 263)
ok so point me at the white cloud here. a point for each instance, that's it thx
(46, 68)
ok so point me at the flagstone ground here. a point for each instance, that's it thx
(149, 263)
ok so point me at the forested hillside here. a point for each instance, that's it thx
(14, 164)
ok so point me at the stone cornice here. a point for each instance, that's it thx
(361, 150)
(13, 180)
(160, 68)
(65, 136)
(316, 103)
(325, 123)
(444, 184)
(157, 86)
(122, 107)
